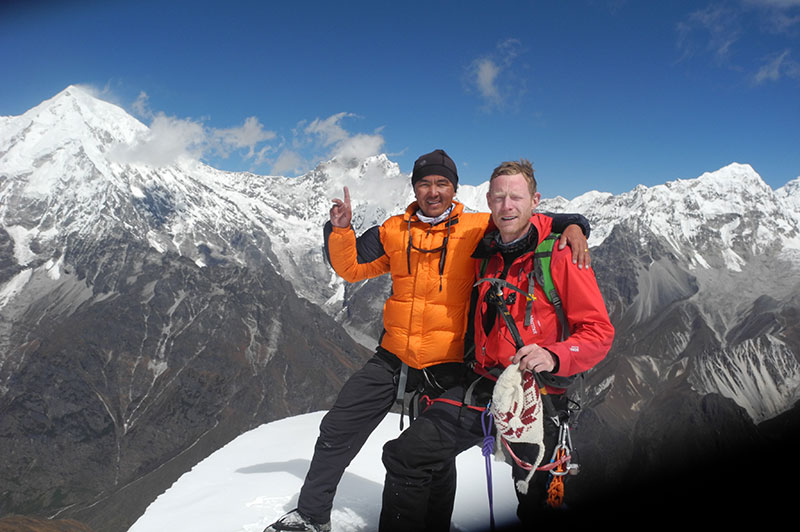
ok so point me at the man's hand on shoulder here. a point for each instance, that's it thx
(574, 238)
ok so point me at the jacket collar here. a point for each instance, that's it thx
(411, 214)
(490, 244)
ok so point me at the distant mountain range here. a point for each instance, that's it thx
(148, 315)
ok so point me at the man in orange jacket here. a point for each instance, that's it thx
(427, 251)
(521, 330)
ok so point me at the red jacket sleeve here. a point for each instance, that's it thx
(591, 329)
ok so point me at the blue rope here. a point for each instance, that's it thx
(488, 447)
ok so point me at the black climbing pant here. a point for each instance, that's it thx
(418, 466)
(361, 405)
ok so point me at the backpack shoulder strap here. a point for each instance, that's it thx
(484, 264)
(541, 269)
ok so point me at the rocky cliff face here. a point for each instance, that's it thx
(18, 523)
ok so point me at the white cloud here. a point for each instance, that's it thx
(771, 70)
(105, 93)
(328, 129)
(247, 136)
(289, 162)
(494, 76)
(339, 141)
(730, 30)
(486, 72)
(778, 66)
(780, 4)
(359, 146)
(171, 139)
(776, 16)
(168, 140)
(718, 27)
(141, 105)
(93, 91)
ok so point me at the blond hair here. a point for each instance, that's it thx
(523, 166)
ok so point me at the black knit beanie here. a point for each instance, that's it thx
(436, 162)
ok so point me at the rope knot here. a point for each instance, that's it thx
(488, 446)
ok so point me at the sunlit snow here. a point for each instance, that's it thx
(256, 478)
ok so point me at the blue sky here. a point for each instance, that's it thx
(599, 94)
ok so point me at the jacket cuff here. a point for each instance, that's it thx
(557, 361)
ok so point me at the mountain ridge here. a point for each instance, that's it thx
(149, 314)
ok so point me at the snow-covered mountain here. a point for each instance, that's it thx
(718, 220)
(150, 314)
(143, 318)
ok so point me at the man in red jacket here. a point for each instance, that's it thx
(522, 330)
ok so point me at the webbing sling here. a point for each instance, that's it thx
(402, 380)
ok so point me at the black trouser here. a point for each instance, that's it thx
(417, 465)
(363, 402)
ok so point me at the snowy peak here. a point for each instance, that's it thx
(719, 218)
(57, 154)
(733, 188)
(76, 102)
(790, 195)
(376, 184)
(732, 173)
(73, 118)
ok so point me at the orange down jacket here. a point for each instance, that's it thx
(432, 271)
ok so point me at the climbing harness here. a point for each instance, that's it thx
(424, 381)
(542, 256)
